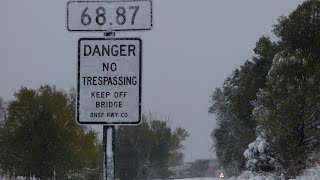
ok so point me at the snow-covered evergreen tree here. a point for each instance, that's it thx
(259, 157)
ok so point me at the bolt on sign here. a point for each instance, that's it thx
(124, 15)
(109, 81)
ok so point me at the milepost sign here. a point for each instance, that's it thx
(124, 15)
(109, 81)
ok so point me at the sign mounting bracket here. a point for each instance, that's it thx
(109, 33)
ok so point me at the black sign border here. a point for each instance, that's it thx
(106, 30)
(78, 84)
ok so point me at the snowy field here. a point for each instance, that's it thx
(309, 174)
(199, 179)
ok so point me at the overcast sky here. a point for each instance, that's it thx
(193, 46)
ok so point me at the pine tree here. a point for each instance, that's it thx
(300, 30)
(288, 107)
(233, 106)
(259, 156)
(3, 112)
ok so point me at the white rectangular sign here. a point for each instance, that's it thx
(127, 15)
(109, 81)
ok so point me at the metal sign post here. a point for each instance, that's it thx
(108, 152)
(109, 146)
(109, 72)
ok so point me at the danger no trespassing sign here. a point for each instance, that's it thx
(109, 81)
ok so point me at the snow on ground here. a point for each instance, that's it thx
(247, 175)
(199, 179)
(310, 174)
